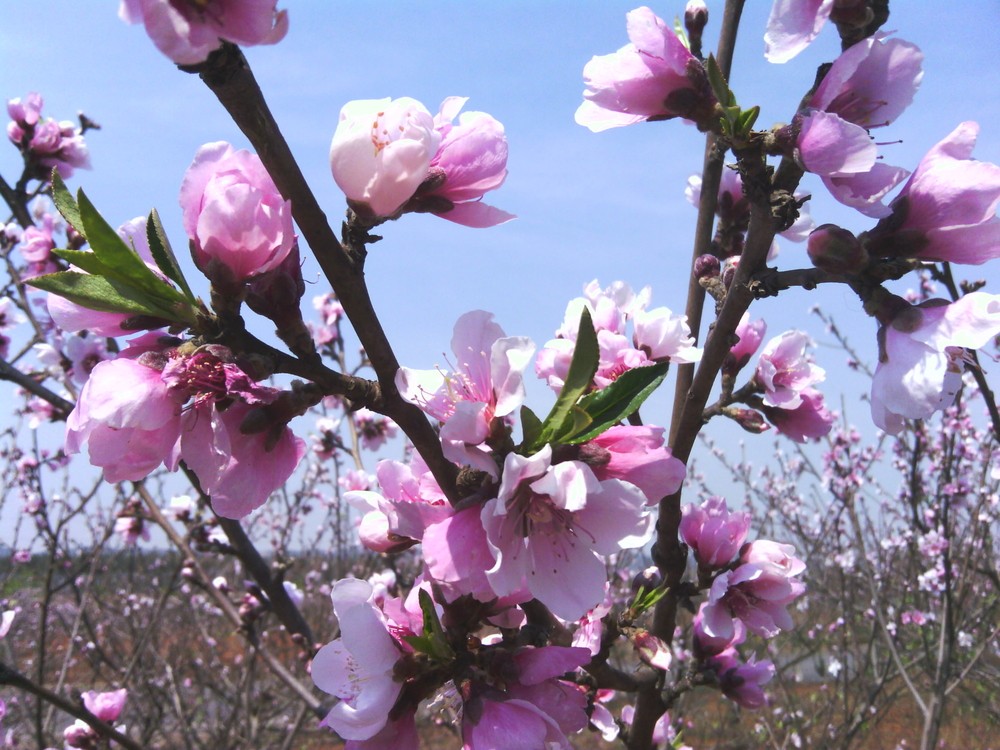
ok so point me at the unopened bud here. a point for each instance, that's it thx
(695, 19)
(729, 271)
(750, 420)
(836, 250)
(648, 579)
(275, 294)
(706, 267)
(652, 650)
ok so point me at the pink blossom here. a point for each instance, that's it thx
(238, 470)
(358, 666)
(809, 420)
(373, 429)
(487, 383)
(756, 592)
(921, 356)
(356, 479)
(25, 112)
(741, 681)
(947, 209)
(590, 628)
(654, 77)
(132, 529)
(10, 316)
(652, 650)
(237, 219)
(79, 735)
(84, 353)
(46, 143)
(395, 518)
(457, 555)
(471, 160)
(792, 25)
(637, 455)
(187, 32)
(867, 87)
(533, 709)
(751, 334)
(784, 370)
(713, 533)
(660, 334)
(70, 316)
(381, 153)
(706, 644)
(37, 243)
(127, 416)
(872, 82)
(550, 526)
(664, 336)
(105, 706)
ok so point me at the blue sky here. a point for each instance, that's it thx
(607, 206)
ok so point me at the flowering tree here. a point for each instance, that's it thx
(526, 572)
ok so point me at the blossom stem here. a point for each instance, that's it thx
(709, 198)
(689, 403)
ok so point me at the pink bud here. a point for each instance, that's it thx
(836, 250)
(105, 706)
(234, 214)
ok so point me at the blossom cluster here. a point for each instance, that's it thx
(517, 551)
(44, 143)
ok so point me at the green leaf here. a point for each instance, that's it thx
(746, 120)
(681, 33)
(619, 400)
(718, 82)
(123, 263)
(586, 356)
(646, 598)
(432, 641)
(85, 261)
(98, 293)
(66, 204)
(531, 426)
(162, 253)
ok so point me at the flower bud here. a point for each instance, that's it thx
(750, 420)
(238, 223)
(695, 19)
(706, 267)
(648, 579)
(836, 250)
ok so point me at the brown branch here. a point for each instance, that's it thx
(228, 75)
(17, 201)
(667, 551)
(711, 178)
(11, 373)
(227, 607)
(281, 604)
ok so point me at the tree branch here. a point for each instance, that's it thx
(228, 75)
